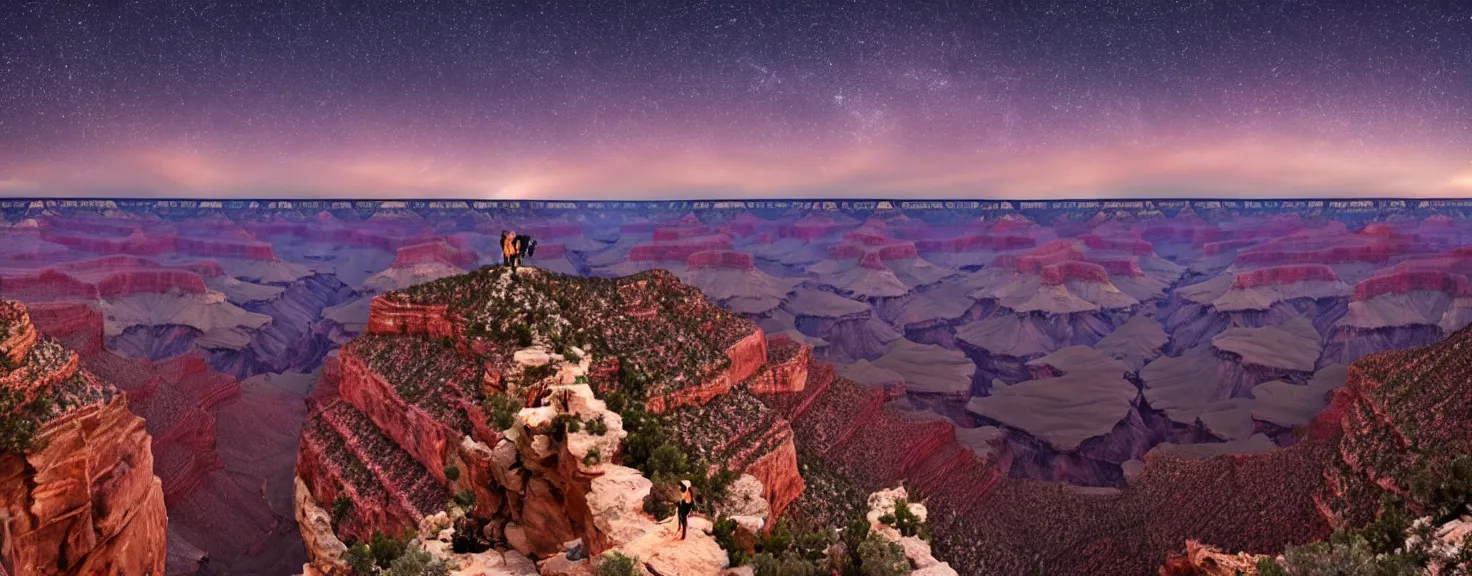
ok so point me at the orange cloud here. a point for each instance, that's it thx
(1236, 167)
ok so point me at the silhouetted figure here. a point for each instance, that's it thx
(525, 247)
(687, 503)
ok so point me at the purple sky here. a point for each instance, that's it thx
(863, 98)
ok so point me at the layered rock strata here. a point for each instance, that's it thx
(79, 497)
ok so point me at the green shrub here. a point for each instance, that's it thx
(1388, 532)
(452, 473)
(593, 457)
(597, 426)
(571, 356)
(887, 519)
(1441, 485)
(855, 533)
(385, 549)
(534, 374)
(465, 498)
(632, 379)
(714, 488)
(502, 408)
(616, 401)
(880, 557)
(1270, 567)
(777, 540)
(765, 564)
(564, 424)
(813, 545)
(523, 335)
(724, 532)
(616, 564)
(793, 565)
(360, 560)
(905, 521)
(667, 461)
(660, 503)
(341, 506)
(23, 420)
(416, 561)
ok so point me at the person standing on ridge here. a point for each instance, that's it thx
(687, 503)
(508, 249)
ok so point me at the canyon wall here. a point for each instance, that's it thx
(81, 498)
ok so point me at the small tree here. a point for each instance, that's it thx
(667, 461)
(905, 521)
(452, 473)
(465, 498)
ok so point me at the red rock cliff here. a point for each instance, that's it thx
(82, 499)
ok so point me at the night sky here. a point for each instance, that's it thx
(864, 98)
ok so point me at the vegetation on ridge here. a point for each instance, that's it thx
(21, 419)
(677, 334)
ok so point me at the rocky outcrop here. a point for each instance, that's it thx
(1202, 560)
(883, 504)
(746, 357)
(326, 554)
(80, 496)
(740, 432)
(407, 426)
(786, 369)
(395, 317)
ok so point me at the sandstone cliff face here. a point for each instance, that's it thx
(83, 498)
(1402, 418)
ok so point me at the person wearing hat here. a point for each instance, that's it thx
(687, 503)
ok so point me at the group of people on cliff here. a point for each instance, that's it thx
(514, 246)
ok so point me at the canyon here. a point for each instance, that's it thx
(952, 352)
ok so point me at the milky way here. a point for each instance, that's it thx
(787, 98)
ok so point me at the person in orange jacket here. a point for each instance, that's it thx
(508, 249)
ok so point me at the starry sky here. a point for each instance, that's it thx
(741, 99)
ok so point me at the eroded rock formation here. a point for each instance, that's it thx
(406, 425)
(77, 490)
